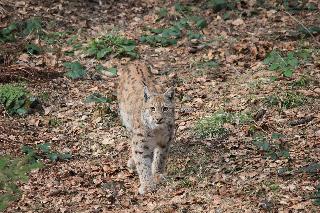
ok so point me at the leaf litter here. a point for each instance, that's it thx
(237, 172)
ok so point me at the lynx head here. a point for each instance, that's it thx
(158, 109)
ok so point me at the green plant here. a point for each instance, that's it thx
(33, 49)
(162, 37)
(316, 196)
(302, 81)
(54, 122)
(169, 35)
(271, 147)
(75, 70)
(288, 100)
(207, 64)
(213, 126)
(7, 34)
(13, 170)
(21, 29)
(16, 99)
(97, 98)
(218, 5)
(292, 100)
(162, 13)
(32, 25)
(286, 64)
(112, 71)
(111, 44)
(43, 151)
(272, 100)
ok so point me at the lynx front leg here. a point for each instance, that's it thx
(142, 155)
(131, 165)
(160, 157)
(159, 160)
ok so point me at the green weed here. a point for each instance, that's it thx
(271, 147)
(303, 81)
(43, 151)
(55, 122)
(16, 99)
(317, 196)
(287, 101)
(162, 13)
(162, 37)
(112, 71)
(213, 126)
(292, 100)
(286, 64)
(33, 49)
(75, 70)
(13, 170)
(176, 30)
(109, 44)
(218, 5)
(97, 98)
(21, 29)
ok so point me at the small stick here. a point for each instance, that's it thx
(300, 121)
(303, 27)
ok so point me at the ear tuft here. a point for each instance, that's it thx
(169, 94)
(146, 93)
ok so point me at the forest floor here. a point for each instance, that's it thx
(247, 105)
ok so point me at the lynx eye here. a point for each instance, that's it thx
(165, 109)
(152, 109)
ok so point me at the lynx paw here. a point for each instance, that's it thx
(144, 189)
(158, 178)
(131, 165)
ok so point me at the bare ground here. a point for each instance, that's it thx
(204, 175)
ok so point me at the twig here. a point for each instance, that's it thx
(303, 27)
(301, 121)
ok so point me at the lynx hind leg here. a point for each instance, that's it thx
(143, 154)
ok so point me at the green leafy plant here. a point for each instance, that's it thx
(112, 71)
(16, 99)
(97, 98)
(316, 196)
(75, 70)
(162, 37)
(287, 100)
(270, 147)
(302, 81)
(33, 49)
(162, 13)
(286, 64)
(109, 44)
(13, 170)
(213, 126)
(43, 151)
(170, 35)
(21, 29)
(54, 122)
(292, 100)
(7, 34)
(32, 25)
(218, 5)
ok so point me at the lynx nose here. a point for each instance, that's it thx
(159, 120)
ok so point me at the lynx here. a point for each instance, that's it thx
(147, 111)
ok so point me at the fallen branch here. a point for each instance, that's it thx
(300, 121)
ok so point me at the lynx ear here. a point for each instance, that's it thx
(146, 93)
(169, 94)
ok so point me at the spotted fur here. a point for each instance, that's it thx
(147, 111)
